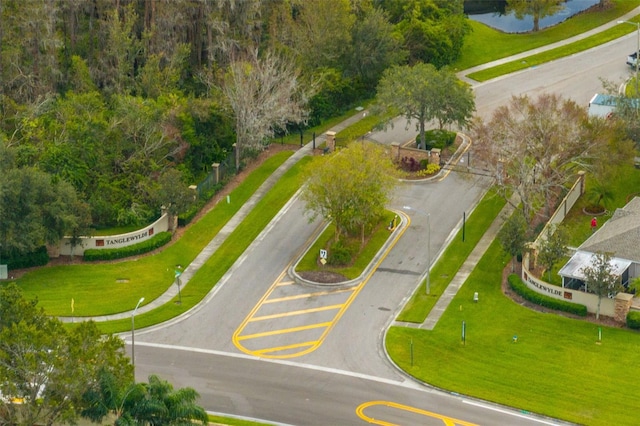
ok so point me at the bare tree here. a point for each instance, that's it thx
(266, 94)
(535, 147)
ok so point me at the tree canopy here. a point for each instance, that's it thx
(108, 98)
(424, 93)
(350, 187)
(535, 147)
(47, 368)
(55, 375)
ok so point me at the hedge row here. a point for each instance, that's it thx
(38, 257)
(540, 299)
(151, 244)
(633, 320)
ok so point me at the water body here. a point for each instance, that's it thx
(492, 13)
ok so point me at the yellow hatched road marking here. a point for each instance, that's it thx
(448, 421)
(293, 313)
(284, 348)
(283, 283)
(310, 346)
(285, 330)
(307, 295)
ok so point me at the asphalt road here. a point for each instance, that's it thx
(349, 367)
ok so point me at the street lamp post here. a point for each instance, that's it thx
(637, 25)
(133, 336)
(428, 277)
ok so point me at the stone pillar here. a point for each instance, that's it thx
(434, 156)
(581, 175)
(215, 170)
(194, 189)
(621, 307)
(331, 140)
(395, 152)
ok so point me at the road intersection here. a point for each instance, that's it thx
(346, 378)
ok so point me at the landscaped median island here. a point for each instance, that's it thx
(311, 268)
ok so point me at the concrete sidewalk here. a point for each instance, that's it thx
(228, 228)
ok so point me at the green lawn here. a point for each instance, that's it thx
(99, 289)
(555, 368)
(485, 44)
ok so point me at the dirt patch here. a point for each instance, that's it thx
(323, 277)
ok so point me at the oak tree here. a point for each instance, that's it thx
(424, 93)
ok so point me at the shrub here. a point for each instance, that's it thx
(38, 257)
(437, 138)
(633, 320)
(186, 217)
(151, 244)
(340, 254)
(410, 164)
(430, 170)
(516, 284)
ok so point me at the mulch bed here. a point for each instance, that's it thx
(323, 277)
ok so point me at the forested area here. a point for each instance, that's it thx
(105, 105)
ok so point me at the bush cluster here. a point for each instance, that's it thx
(410, 164)
(633, 320)
(437, 138)
(431, 169)
(341, 253)
(540, 299)
(39, 257)
(151, 244)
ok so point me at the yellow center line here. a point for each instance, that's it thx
(292, 313)
(285, 330)
(307, 295)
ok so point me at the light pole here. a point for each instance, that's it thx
(133, 336)
(637, 25)
(428, 278)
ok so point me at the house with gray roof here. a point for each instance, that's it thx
(620, 237)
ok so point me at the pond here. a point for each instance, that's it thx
(492, 13)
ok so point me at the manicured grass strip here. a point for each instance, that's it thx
(101, 289)
(486, 44)
(231, 421)
(239, 240)
(417, 309)
(373, 246)
(555, 368)
(559, 52)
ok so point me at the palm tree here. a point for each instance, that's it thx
(155, 403)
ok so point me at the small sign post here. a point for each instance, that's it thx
(323, 256)
(177, 276)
